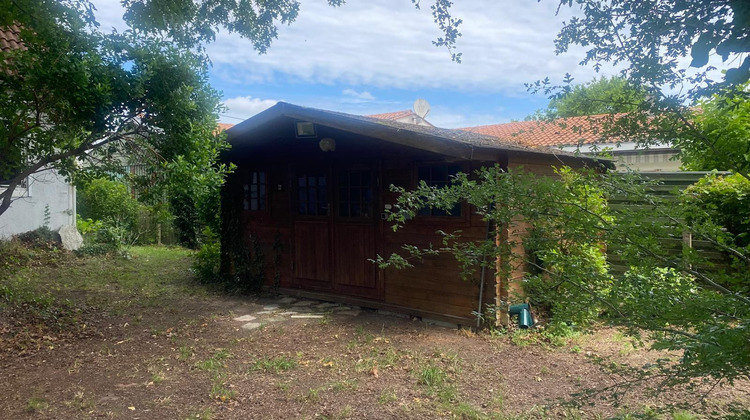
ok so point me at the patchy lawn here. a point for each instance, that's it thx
(138, 338)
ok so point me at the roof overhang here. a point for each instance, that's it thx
(453, 143)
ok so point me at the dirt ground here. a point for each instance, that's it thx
(127, 351)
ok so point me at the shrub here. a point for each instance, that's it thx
(109, 202)
(724, 200)
(207, 259)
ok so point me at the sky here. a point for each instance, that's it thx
(369, 57)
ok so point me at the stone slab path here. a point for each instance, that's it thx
(287, 308)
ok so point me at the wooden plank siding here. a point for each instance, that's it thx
(323, 253)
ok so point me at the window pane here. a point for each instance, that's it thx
(439, 177)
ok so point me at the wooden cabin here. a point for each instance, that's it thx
(310, 193)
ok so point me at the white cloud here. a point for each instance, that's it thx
(243, 107)
(352, 94)
(389, 44)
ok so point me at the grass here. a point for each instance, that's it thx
(387, 396)
(186, 352)
(220, 390)
(215, 362)
(202, 414)
(36, 404)
(276, 365)
(344, 385)
(43, 281)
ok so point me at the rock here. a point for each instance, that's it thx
(348, 313)
(303, 303)
(287, 300)
(307, 316)
(271, 307)
(71, 239)
(251, 325)
(245, 318)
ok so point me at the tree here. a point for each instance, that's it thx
(652, 40)
(724, 119)
(600, 96)
(77, 100)
(73, 93)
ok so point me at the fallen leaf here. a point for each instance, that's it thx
(131, 408)
(374, 372)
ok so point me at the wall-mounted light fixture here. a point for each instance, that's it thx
(327, 145)
(305, 129)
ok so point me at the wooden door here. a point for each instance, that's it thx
(354, 230)
(335, 232)
(311, 238)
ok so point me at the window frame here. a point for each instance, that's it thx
(296, 201)
(463, 217)
(373, 187)
(263, 189)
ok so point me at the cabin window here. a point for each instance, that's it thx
(355, 194)
(256, 191)
(439, 176)
(312, 194)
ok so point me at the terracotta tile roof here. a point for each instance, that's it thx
(224, 126)
(10, 38)
(561, 132)
(393, 115)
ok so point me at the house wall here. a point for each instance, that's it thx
(46, 188)
(432, 289)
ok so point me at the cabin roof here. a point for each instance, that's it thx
(451, 142)
(572, 131)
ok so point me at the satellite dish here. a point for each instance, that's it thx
(421, 108)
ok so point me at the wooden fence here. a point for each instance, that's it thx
(153, 231)
(676, 242)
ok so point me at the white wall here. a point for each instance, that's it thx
(27, 210)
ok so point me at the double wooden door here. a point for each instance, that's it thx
(335, 231)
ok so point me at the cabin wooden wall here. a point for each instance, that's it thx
(433, 288)
(434, 284)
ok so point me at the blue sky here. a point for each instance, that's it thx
(371, 57)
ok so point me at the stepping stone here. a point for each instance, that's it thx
(440, 323)
(245, 318)
(287, 300)
(289, 313)
(326, 305)
(274, 319)
(251, 325)
(263, 312)
(303, 303)
(393, 314)
(348, 313)
(341, 308)
(270, 307)
(307, 316)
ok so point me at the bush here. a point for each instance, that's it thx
(207, 259)
(109, 202)
(724, 200)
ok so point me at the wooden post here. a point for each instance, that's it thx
(501, 283)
